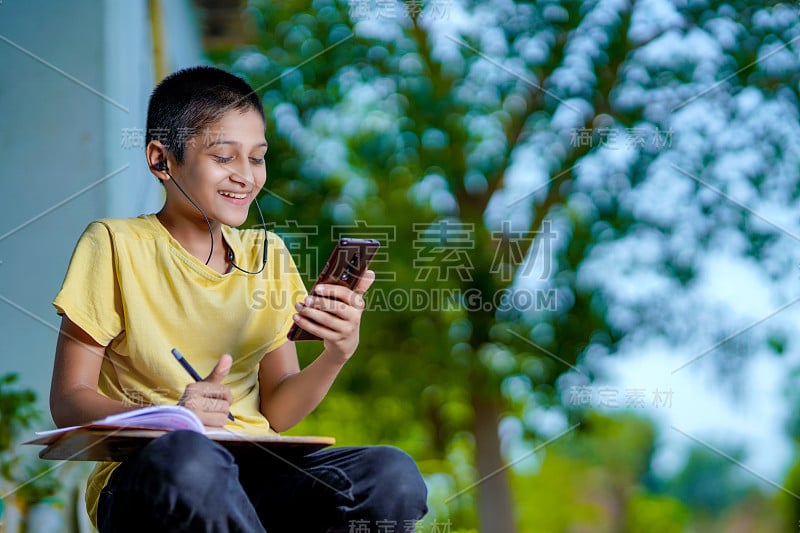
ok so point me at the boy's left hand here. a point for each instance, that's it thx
(333, 313)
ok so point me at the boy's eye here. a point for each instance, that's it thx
(221, 159)
(257, 160)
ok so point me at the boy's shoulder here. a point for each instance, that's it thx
(138, 227)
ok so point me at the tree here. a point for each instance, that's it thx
(526, 151)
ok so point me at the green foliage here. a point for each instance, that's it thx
(375, 134)
(650, 513)
(553, 500)
(17, 411)
(624, 444)
(32, 480)
(709, 483)
(591, 480)
(787, 501)
(36, 482)
(17, 414)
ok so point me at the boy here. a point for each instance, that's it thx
(136, 288)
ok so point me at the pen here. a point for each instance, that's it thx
(192, 372)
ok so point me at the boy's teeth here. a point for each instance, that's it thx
(234, 195)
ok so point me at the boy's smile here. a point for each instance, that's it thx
(235, 197)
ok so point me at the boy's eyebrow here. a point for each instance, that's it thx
(235, 143)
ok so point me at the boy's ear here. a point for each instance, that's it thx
(157, 156)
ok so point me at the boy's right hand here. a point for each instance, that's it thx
(209, 399)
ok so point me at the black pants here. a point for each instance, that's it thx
(184, 481)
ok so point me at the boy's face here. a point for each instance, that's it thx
(224, 167)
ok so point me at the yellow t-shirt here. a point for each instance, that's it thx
(135, 290)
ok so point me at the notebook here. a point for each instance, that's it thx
(118, 436)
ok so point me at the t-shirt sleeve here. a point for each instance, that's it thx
(90, 295)
(295, 291)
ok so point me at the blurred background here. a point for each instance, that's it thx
(585, 309)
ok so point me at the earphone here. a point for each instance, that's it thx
(162, 165)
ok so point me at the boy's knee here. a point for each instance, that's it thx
(189, 459)
(397, 474)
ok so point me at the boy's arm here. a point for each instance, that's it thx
(287, 394)
(334, 315)
(74, 399)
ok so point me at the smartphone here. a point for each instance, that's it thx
(346, 265)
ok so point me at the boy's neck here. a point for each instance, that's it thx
(193, 235)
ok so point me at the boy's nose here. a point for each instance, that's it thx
(244, 173)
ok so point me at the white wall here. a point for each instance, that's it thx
(74, 76)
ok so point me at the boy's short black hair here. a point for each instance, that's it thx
(188, 100)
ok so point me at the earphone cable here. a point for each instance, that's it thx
(264, 258)
(210, 232)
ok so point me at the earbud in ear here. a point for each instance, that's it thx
(161, 165)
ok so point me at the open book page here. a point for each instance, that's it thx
(164, 417)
